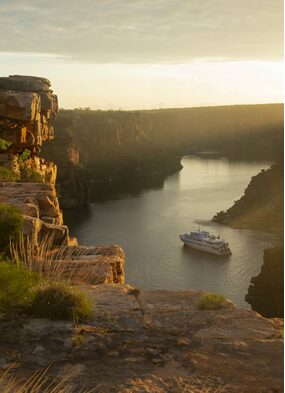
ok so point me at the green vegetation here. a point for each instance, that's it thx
(16, 287)
(11, 222)
(7, 174)
(23, 290)
(211, 301)
(30, 175)
(25, 156)
(59, 301)
(4, 144)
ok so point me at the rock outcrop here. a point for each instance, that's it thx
(154, 341)
(27, 110)
(266, 290)
(261, 206)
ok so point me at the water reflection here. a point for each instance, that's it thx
(148, 225)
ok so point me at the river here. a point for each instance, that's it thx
(147, 226)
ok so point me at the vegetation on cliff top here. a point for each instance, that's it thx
(11, 222)
(261, 206)
(211, 301)
(24, 284)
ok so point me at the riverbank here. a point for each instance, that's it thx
(147, 225)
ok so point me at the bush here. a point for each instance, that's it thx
(59, 301)
(11, 222)
(30, 175)
(211, 301)
(4, 144)
(6, 174)
(16, 287)
(25, 155)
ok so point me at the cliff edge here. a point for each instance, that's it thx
(153, 341)
(28, 108)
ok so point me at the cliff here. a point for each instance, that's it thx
(266, 290)
(261, 206)
(127, 151)
(27, 110)
(153, 341)
(72, 178)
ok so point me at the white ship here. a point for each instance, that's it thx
(204, 241)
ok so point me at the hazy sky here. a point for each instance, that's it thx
(147, 53)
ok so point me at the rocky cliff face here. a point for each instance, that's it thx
(117, 155)
(27, 108)
(73, 178)
(261, 206)
(153, 341)
(266, 290)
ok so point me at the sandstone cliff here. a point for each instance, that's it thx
(27, 109)
(261, 206)
(153, 341)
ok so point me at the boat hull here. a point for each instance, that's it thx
(208, 250)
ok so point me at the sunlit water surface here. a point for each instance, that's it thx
(147, 227)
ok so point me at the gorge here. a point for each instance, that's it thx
(136, 339)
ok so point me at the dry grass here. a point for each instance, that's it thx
(39, 382)
(61, 263)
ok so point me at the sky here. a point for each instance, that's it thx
(137, 54)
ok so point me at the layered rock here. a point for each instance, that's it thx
(153, 341)
(266, 290)
(27, 108)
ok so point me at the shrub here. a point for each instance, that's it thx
(4, 144)
(16, 287)
(11, 222)
(6, 174)
(211, 301)
(59, 301)
(25, 155)
(30, 175)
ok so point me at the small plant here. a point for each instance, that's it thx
(211, 301)
(78, 340)
(4, 144)
(16, 287)
(25, 155)
(7, 174)
(11, 222)
(30, 175)
(134, 291)
(60, 301)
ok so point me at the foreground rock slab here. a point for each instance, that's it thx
(153, 341)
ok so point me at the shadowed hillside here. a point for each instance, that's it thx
(127, 150)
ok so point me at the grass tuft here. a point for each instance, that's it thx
(7, 174)
(11, 222)
(211, 301)
(60, 301)
(16, 287)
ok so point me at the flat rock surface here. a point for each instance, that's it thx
(154, 341)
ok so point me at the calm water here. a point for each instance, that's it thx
(147, 227)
